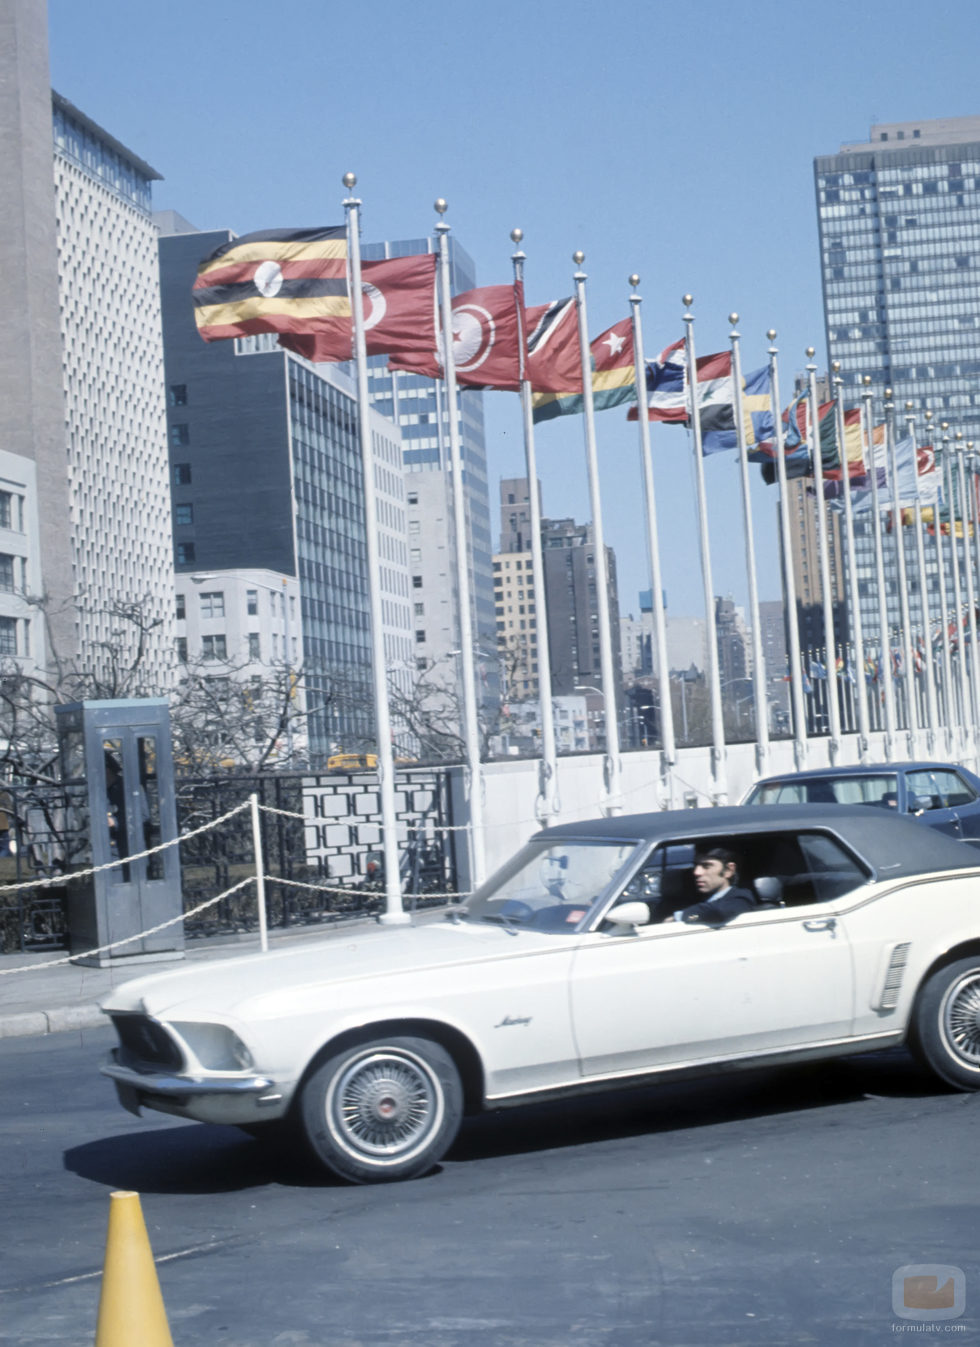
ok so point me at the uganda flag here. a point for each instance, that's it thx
(277, 280)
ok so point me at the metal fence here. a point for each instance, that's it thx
(320, 837)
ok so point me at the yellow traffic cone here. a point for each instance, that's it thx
(131, 1308)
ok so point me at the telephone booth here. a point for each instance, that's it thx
(118, 774)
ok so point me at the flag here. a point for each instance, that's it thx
(861, 486)
(853, 451)
(757, 410)
(399, 299)
(554, 362)
(486, 341)
(817, 669)
(613, 376)
(276, 280)
(667, 386)
(796, 451)
(668, 395)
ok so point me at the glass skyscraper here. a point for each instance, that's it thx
(899, 221)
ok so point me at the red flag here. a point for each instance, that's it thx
(486, 341)
(554, 360)
(399, 313)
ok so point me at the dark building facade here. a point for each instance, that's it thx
(570, 577)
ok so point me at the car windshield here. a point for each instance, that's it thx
(550, 887)
(879, 788)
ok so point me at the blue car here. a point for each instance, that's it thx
(942, 795)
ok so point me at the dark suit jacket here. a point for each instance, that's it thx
(732, 904)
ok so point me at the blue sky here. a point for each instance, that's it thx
(672, 140)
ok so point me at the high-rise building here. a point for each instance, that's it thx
(571, 574)
(899, 223)
(109, 287)
(267, 480)
(417, 405)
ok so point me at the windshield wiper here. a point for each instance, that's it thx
(508, 922)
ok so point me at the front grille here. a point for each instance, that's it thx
(145, 1043)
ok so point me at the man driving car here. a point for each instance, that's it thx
(715, 877)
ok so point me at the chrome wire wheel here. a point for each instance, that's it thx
(960, 1019)
(384, 1105)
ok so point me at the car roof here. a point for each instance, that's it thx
(893, 845)
(862, 769)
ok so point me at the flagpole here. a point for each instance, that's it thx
(667, 739)
(898, 530)
(970, 591)
(612, 767)
(830, 653)
(932, 710)
(854, 597)
(471, 728)
(720, 795)
(394, 913)
(949, 710)
(789, 584)
(957, 595)
(758, 658)
(548, 803)
(884, 631)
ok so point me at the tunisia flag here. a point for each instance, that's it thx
(399, 297)
(486, 341)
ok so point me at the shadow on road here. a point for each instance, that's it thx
(197, 1158)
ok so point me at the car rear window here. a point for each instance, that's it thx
(875, 789)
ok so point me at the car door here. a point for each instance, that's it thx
(672, 994)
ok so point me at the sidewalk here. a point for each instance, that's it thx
(65, 996)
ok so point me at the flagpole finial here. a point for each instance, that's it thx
(516, 235)
(733, 318)
(578, 257)
(687, 300)
(910, 406)
(771, 334)
(633, 279)
(440, 205)
(927, 414)
(350, 181)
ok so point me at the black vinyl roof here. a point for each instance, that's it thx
(891, 844)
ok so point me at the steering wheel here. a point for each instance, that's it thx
(513, 907)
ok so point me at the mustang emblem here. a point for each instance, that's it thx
(513, 1019)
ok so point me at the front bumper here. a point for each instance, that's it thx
(217, 1099)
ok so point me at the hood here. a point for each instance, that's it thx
(222, 986)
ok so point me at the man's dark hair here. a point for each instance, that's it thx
(722, 854)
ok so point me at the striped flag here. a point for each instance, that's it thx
(613, 376)
(553, 363)
(276, 280)
(668, 395)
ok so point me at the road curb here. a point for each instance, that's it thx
(34, 1023)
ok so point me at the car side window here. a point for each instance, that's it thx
(925, 791)
(955, 790)
(831, 869)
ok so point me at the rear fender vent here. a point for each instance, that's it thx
(890, 983)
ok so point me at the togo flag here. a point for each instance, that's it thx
(613, 376)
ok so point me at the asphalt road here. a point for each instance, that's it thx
(766, 1208)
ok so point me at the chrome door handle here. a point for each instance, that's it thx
(824, 924)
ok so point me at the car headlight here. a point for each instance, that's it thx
(215, 1046)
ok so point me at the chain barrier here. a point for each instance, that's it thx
(141, 935)
(359, 893)
(125, 860)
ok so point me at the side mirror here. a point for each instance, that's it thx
(629, 914)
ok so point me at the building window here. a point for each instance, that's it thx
(420, 638)
(412, 498)
(182, 649)
(182, 474)
(6, 573)
(177, 395)
(180, 433)
(214, 647)
(183, 514)
(181, 607)
(213, 603)
(8, 636)
(420, 610)
(254, 649)
(5, 512)
(252, 602)
(185, 554)
(416, 582)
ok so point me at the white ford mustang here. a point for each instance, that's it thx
(569, 971)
